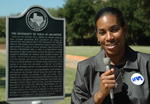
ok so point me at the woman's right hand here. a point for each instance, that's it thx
(107, 82)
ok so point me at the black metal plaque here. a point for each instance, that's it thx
(35, 55)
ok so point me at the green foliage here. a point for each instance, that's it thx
(79, 16)
(55, 12)
(52, 11)
(2, 27)
(2, 40)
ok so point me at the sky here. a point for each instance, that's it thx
(11, 7)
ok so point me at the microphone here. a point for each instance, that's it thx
(107, 64)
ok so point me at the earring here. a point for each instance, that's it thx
(98, 42)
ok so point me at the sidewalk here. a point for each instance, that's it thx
(70, 60)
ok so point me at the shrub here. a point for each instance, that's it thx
(2, 40)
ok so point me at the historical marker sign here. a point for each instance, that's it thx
(35, 67)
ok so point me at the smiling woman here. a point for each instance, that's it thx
(112, 37)
(93, 83)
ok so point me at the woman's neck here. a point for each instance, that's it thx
(117, 61)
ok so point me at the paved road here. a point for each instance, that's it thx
(70, 62)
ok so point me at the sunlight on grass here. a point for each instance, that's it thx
(2, 94)
(2, 60)
(86, 51)
(145, 49)
(2, 76)
(89, 51)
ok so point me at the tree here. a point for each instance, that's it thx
(79, 16)
(2, 27)
(53, 12)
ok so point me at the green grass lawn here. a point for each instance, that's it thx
(87, 51)
(2, 76)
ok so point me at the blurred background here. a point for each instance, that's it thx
(80, 14)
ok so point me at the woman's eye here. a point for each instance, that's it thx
(101, 32)
(115, 30)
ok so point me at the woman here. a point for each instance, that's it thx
(129, 72)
